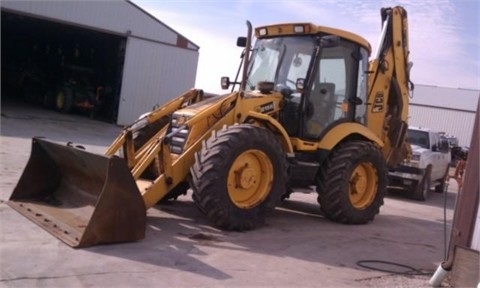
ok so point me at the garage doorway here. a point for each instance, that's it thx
(61, 67)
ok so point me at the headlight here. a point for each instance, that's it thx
(415, 157)
(298, 29)
(262, 31)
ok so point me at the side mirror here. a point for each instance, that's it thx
(300, 85)
(225, 82)
(242, 41)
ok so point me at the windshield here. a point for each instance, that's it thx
(281, 61)
(420, 138)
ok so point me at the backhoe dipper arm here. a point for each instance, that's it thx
(389, 82)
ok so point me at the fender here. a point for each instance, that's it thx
(339, 132)
(285, 139)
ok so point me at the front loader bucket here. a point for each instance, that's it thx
(82, 198)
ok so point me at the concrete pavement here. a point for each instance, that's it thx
(297, 248)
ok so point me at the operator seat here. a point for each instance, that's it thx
(323, 103)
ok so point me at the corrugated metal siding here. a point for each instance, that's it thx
(153, 74)
(451, 98)
(453, 122)
(120, 17)
(451, 110)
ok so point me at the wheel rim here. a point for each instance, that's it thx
(250, 179)
(60, 100)
(363, 185)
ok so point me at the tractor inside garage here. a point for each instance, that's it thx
(57, 66)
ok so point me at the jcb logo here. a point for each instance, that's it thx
(265, 108)
(377, 106)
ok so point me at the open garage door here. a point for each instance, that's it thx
(62, 67)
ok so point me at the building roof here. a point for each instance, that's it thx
(117, 17)
(444, 97)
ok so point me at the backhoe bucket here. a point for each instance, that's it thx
(82, 198)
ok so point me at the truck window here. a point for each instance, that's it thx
(419, 138)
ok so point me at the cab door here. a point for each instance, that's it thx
(336, 89)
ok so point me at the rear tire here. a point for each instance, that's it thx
(352, 183)
(239, 176)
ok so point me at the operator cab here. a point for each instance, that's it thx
(321, 72)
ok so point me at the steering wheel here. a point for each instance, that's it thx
(285, 90)
(292, 82)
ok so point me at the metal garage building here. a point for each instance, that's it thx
(141, 61)
(449, 110)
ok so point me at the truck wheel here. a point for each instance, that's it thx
(239, 176)
(421, 190)
(440, 188)
(352, 182)
(64, 100)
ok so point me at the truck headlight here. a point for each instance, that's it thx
(415, 157)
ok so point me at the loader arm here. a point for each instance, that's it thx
(86, 199)
(195, 123)
(388, 82)
(125, 139)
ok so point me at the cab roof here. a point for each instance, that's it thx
(289, 29)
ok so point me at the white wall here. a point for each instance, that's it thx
(152, 75)
(453, 122)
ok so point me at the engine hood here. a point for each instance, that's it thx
(418, 149)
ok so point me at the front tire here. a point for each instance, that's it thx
(64, 100)
(421, 190)
(352, 182)
(239, 176)
(440, 188)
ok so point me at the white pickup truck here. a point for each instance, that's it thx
(428, 166)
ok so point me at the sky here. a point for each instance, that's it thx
(444, 34)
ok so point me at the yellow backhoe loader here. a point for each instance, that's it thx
(310, 110)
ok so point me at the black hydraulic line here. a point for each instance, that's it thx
(369, 264)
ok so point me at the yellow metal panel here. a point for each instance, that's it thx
(310, 29)
(285, 139)
(334, 136)
(302, 145)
